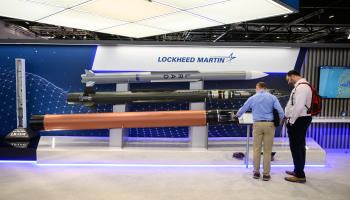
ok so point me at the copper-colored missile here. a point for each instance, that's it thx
(131, 120)
(124, 120)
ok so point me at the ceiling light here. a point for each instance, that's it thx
(188, 4)
(278, 37)
(134, 30)
(179, 21)
(126, 10)
(147, 17)
(80, 20)
(26, 10)
(60, 3)
(246, 36)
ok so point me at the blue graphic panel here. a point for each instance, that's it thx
(51, 72)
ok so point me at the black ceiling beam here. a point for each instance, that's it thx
(297, 21)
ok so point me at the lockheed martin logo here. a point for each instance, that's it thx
(184, 59)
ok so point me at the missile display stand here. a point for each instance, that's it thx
(21, 132)
(118, 136)
(198, 150)
(198, 134)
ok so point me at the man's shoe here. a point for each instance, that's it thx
(266, 177)
(295, 179)
(256, 175)
(291, 173)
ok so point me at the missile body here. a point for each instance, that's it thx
(186, 76)
(131, 120)
(176, 95)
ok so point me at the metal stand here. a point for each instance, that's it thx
(116, 136)
(21, 132)
(246, 156)
(198, 134)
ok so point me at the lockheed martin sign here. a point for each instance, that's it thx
(194, 58)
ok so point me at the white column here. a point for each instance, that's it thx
(198, 134)
(117, 136)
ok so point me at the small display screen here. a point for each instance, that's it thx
(334, 82)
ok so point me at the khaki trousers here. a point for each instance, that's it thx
(263, 132)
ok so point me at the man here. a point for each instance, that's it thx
(298, 120)
(262, 105)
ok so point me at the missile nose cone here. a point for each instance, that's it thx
(255, 75)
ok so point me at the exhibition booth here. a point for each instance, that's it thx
(161, 105)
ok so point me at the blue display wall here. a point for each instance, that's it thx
(54, 70)
(51, 71)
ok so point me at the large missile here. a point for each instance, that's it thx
(131, 120)
(92, 78)
(91, 99)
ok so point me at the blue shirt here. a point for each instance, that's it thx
(262, 104)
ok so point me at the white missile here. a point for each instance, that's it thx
(181, 76)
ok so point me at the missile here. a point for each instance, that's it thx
(91, 78)
(131, 120)
(92, 98)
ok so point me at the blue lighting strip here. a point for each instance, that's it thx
(136, 165)
(18, 161)
(158, 165)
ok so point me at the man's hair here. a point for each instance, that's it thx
(261, 85)
(293, 72)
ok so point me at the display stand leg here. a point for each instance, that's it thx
(198, 134)
(117, 136)
(246, 160)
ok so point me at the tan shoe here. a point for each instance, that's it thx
(295, 179)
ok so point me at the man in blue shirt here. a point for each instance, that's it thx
(262, 105)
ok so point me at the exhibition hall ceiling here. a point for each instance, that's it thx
(141, 18)
(317, 21)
